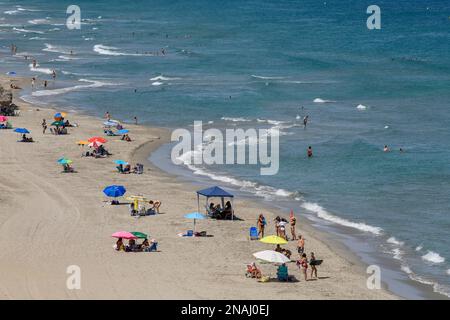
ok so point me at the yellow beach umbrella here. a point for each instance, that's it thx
(136, 200)
(273, 240)
(82, 142)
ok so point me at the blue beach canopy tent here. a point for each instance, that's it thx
(215, 192)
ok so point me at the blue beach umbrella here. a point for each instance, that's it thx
(64, 161)
(21, 130)
(123, 131)
(121, 162)
(195, 216)
(114, 191)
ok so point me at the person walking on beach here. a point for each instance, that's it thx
(45, 83)
(261, 225)
(312, 263)
(44, 126)
(301, 245)
(107, 116)
(135, 120)
(292, 222)
(310, 152)
(53, 74)
(33, 81)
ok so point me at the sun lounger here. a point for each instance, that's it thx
(254, 233)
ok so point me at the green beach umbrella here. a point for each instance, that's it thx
(139, 235)
(58, 123)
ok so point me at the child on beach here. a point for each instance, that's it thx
(301, 245)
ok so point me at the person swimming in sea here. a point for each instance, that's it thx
(310, 152)
(386, 149)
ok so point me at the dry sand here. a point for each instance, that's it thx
(50, 220)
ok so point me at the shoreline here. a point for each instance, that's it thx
(229, 247)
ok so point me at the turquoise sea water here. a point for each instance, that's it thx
(262, 64)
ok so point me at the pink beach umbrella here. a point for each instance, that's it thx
(123, 235)
(3, 118)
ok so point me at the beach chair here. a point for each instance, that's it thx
(190, 233)
(254, 233)
(282, 273)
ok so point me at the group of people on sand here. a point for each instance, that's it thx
(143, 211)
(26, 139)
(280, 230)
(126, 169)
(217, 212)
(280, 226)
(132, 246)
(99, 152)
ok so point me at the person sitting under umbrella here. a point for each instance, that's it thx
(26, 139)
(286, 252)
(119, 245)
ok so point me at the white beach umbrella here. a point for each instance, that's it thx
(271, 256)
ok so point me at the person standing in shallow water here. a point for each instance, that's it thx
(310, 152)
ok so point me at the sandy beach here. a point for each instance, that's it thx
(50, 220)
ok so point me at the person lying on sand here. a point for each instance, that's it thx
(155, 205)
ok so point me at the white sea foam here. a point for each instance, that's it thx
(267, 78)
(322, 213)
(418, 248)
(320, 100)
(448, 272)
(11, 12)
(162, 78)
(42, 70)
(92, 84)
(397, 253)
(157, 83)
(433, 257)
(113, 51)
(37, 38)
(39, 21)
(28, 30)
(235, 119)
(53, 48)
(392, 240)
(361, 107)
